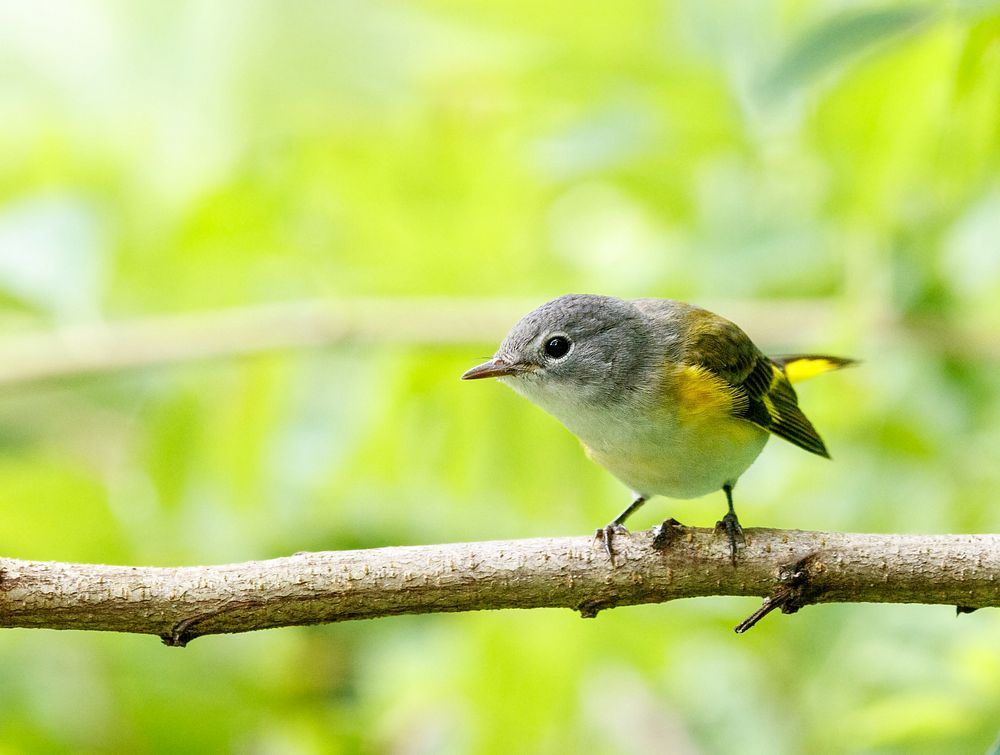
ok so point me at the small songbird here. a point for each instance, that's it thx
(672, 399)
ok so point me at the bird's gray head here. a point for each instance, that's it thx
(577, 348)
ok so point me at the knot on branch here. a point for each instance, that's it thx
(796, 588)
(590, 608)
(181, 633)
(666, 533)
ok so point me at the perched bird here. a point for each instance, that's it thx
(672, 399)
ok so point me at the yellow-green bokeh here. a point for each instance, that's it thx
(161, 158)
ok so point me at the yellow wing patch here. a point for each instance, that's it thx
(704, 395)
(764, 396)
(803, 367)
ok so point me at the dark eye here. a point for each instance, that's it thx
(557, 347)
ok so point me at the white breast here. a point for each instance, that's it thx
(661, 457)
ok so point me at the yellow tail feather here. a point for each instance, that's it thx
(798, 367)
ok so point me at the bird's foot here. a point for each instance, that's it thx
(731, 524)
(607, 534)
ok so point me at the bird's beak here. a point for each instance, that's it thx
(491, 369)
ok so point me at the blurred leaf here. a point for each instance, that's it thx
(840, 39)
(977, 55)
(51, 255)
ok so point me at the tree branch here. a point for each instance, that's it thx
(170, 339)
(790, 568)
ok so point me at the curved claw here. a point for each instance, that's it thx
(606, 535)
(731, 524)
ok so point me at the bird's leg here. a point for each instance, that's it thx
(731, 523)
(606, 534)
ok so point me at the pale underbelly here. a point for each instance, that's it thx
(683, 464)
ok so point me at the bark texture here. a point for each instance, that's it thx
(789, 568)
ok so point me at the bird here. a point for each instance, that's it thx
(672, 399)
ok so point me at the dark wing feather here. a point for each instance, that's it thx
(761, 392)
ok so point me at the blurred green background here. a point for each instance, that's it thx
(826, 172)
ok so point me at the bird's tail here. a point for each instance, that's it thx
(798, 367)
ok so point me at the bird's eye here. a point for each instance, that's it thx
(557, 347)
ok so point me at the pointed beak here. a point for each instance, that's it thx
(491, 369)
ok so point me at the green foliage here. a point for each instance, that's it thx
(837, 39)
(184, 157)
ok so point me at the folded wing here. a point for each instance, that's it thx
(761, 388)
